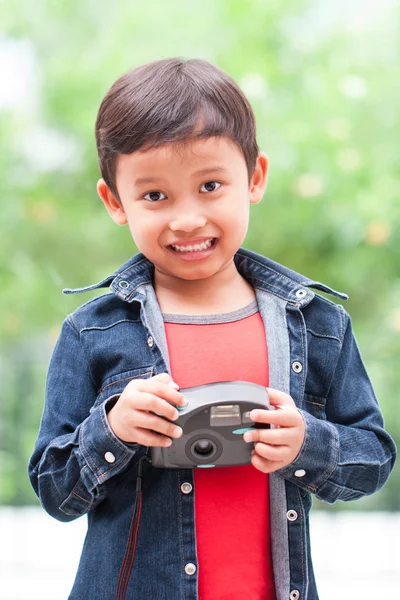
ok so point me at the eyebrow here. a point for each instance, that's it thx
(215, 169)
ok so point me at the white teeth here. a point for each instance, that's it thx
(195, 247)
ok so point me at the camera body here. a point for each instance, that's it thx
(213, 425)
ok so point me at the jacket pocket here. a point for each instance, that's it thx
(113, 386)
(315, 406)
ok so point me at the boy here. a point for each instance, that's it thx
(180, 165)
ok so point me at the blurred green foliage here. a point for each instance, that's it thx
(323, 82)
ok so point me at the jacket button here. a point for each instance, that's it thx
(294, 595)
(190, 569)
(186, 488)
(299, 473)
(297, 366)
(291, 515)
(123, 284)
(150, 341)
(109, 456)
(301, 293)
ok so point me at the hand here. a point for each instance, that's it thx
(278, 447)
(140, 413)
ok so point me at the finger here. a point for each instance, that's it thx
(277, 437)
(278, 398)
(273, 453)
(152, 422)
(166, 378)
(163, 390)
(148, 438)
(263, 465)
(284, 417)
(144, 401)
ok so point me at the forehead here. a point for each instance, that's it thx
(190, 154)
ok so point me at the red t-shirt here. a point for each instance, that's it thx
(231, 503)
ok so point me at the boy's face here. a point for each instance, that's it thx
(184, 194)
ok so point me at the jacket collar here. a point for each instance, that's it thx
(263, 274)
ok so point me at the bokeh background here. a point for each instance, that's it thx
(323, 79)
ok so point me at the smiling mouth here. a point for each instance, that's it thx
(195, 247)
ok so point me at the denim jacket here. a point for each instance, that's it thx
(140, 542)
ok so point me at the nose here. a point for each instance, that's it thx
(187, 219)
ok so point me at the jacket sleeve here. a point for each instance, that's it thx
(68, 468)
(348, 455)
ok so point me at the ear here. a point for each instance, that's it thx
(112, 204)
(258, 180)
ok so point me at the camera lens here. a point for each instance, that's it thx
(204, 447)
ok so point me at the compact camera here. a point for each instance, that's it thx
(213, 425)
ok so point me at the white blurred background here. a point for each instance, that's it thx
(356, 555)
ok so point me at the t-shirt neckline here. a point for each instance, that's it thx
(236, 315)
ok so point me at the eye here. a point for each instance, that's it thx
(210, 186)
(154, 196)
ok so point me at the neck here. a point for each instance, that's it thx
(224, 291)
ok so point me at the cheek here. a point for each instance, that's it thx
(239, 220)
(138, 234)
(142, 228)
(232, 209)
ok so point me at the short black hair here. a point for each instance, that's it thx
(172, 100)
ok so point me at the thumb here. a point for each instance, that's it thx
(166, 378)
(279, 399)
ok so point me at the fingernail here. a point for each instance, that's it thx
(253, 415)
(248, 437)
(174, 385)
(168, 443)
(177, 431)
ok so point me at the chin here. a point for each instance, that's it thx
(194, 274)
